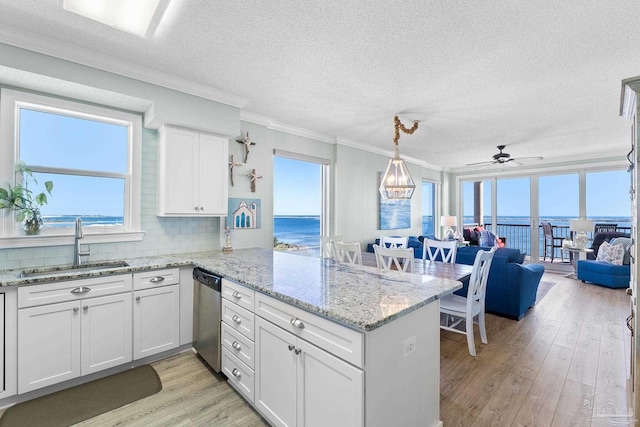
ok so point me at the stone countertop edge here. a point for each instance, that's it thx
(255, 267)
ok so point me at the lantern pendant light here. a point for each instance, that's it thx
(397, 183)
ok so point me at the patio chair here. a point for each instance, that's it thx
(551, 243)
(602, 227)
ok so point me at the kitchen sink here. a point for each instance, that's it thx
(57, 269)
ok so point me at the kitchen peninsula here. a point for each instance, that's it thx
(382, 326)
(394, 317)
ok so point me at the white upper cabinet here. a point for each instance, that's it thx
(192, 173)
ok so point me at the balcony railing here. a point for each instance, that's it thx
(518, 236)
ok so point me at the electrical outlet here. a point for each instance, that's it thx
(409, 346)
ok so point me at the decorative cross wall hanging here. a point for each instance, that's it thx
(247, 142)
(254, 177)
(232, 164)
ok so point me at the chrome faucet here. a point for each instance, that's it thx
(77, 258)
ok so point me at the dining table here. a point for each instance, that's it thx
(439, 269)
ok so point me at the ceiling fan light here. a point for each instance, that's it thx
(397, 183)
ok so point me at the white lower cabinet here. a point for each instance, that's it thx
(299, 384)
(156, 320)
(58, 342)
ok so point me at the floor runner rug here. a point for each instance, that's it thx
(543, 288)
(75, 404)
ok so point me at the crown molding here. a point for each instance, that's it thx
(247, 116)
(27, 40)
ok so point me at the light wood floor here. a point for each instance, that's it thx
(564, 364)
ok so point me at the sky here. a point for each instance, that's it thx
(65, 142)
(297, 187)
(607, 195)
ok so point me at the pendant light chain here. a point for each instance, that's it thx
(399, 126)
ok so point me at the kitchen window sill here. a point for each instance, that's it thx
(64, 240)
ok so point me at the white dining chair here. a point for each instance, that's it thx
(401, 259)
(347, 253)
(456, 311)
(326, 245)
(447, 250)
(394, 242)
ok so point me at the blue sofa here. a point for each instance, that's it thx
(511, 287)
(602, 273)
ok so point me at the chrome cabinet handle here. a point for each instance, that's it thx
(156, 279)
(75, 309)
(236, 319)
(85, 308)
(138, 299)
(236, 373)
(295, 322)
(236, 295)
(291, 347)
(236, 345)
(80, 290)
(298, 350)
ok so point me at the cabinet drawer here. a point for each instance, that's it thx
(238, 345)
(240, 375)
(238, 318)
(155, 278)
(48, 293)
(239, 294)
(343, 342)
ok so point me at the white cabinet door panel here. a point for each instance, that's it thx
(105, 332)
(48, 345)
(156, 320)
(180, 179)
(213, 178)
(330, 391)
(275, 382)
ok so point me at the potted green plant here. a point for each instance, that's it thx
(24, 201)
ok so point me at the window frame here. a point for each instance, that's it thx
(11, 101)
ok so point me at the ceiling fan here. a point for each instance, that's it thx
(501, 158)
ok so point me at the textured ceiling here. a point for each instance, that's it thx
(541, 77)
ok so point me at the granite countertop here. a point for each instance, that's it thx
(362, 298)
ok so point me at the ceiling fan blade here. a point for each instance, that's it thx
(486, 165)
(529, 158)
(513, 163)
(490, 162)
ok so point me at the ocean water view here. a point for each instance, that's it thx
(59, 221)
(297, 230)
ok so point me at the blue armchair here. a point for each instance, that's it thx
(512, 286)
(602, 273)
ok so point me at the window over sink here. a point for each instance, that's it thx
(90, 153)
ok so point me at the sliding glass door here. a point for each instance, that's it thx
(523, 203)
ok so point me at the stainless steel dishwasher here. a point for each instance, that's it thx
(206, 316)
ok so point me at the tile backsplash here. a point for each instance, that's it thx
(161, 235)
